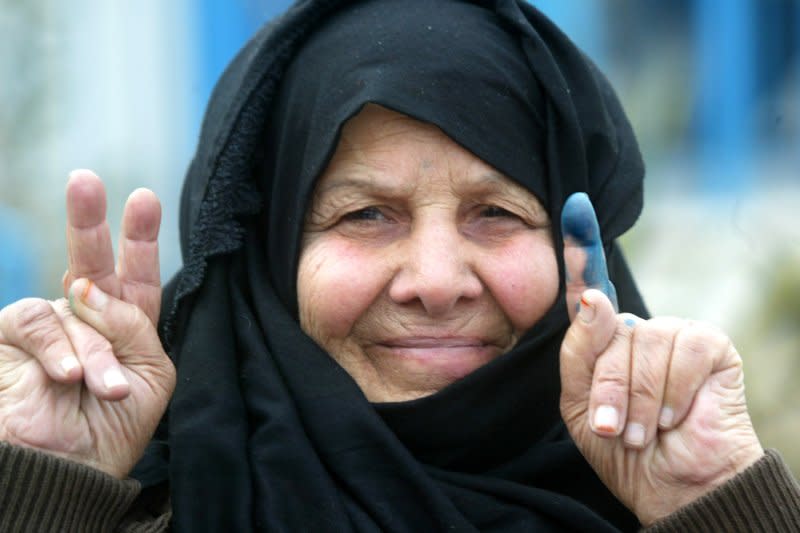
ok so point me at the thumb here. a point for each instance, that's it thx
(132, 336)
(587, 337)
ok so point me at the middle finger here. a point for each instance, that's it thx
(650, 356)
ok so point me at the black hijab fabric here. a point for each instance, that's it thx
(265, 431)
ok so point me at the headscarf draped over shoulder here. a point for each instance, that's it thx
(265, 431)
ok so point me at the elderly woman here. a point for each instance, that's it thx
(386, 230)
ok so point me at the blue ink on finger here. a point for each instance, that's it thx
(578, 220)
(579, 224)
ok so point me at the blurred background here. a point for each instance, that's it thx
(712, 88)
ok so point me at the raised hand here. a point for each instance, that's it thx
(86, 377)
(656, 406)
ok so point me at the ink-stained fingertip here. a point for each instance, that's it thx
(578, 220)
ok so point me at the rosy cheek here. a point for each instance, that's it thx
(523, 277)
(337, 282)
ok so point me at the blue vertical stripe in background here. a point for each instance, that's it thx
(17, 267)
(725, 77)
(223, 26)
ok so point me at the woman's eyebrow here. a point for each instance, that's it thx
(367, 183)
(486, 183)
(494, 182)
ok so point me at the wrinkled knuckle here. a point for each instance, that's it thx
(704, 341)
(97, 344)
(646, 386)
(34, 325)
(30, 314)
(611, 380)
(622, 333)
(652, 340)
(694, 343)
(709, 335)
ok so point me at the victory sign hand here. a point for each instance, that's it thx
(85, 377)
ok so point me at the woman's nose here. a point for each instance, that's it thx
(435, 268)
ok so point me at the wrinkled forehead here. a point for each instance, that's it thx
(389, 154)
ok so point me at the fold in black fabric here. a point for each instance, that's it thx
(265, 431)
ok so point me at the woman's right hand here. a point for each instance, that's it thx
(85, 377)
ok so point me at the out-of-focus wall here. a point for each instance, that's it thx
(116, 87)
(96, 84)
(712, 88)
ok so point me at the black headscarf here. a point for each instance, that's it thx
(265, 430)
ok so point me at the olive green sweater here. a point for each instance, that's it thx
(43, 493)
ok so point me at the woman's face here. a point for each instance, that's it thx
(419, 261)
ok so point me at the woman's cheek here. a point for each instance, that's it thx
(523, 277)
(337, 281)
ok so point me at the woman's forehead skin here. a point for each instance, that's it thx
(364, 162)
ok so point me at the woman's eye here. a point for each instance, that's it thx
(368, 213)
(492, 211)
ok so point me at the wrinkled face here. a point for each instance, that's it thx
(419, 262)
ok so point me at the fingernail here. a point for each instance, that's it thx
(586, 310)
(92, 296)
(666, 417)
(68, 364)
(634, 435)
(113, 378)
(606, 420)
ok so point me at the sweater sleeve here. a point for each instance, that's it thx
(763, 498)
(41, 492)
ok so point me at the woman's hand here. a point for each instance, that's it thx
(657, 407)
(86, 378)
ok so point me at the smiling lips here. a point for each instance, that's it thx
(454, 356)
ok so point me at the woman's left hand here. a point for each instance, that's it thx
(657, 407)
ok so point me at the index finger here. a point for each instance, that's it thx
(89, 250)
(584, 258)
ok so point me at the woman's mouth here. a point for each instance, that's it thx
(453, 357)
